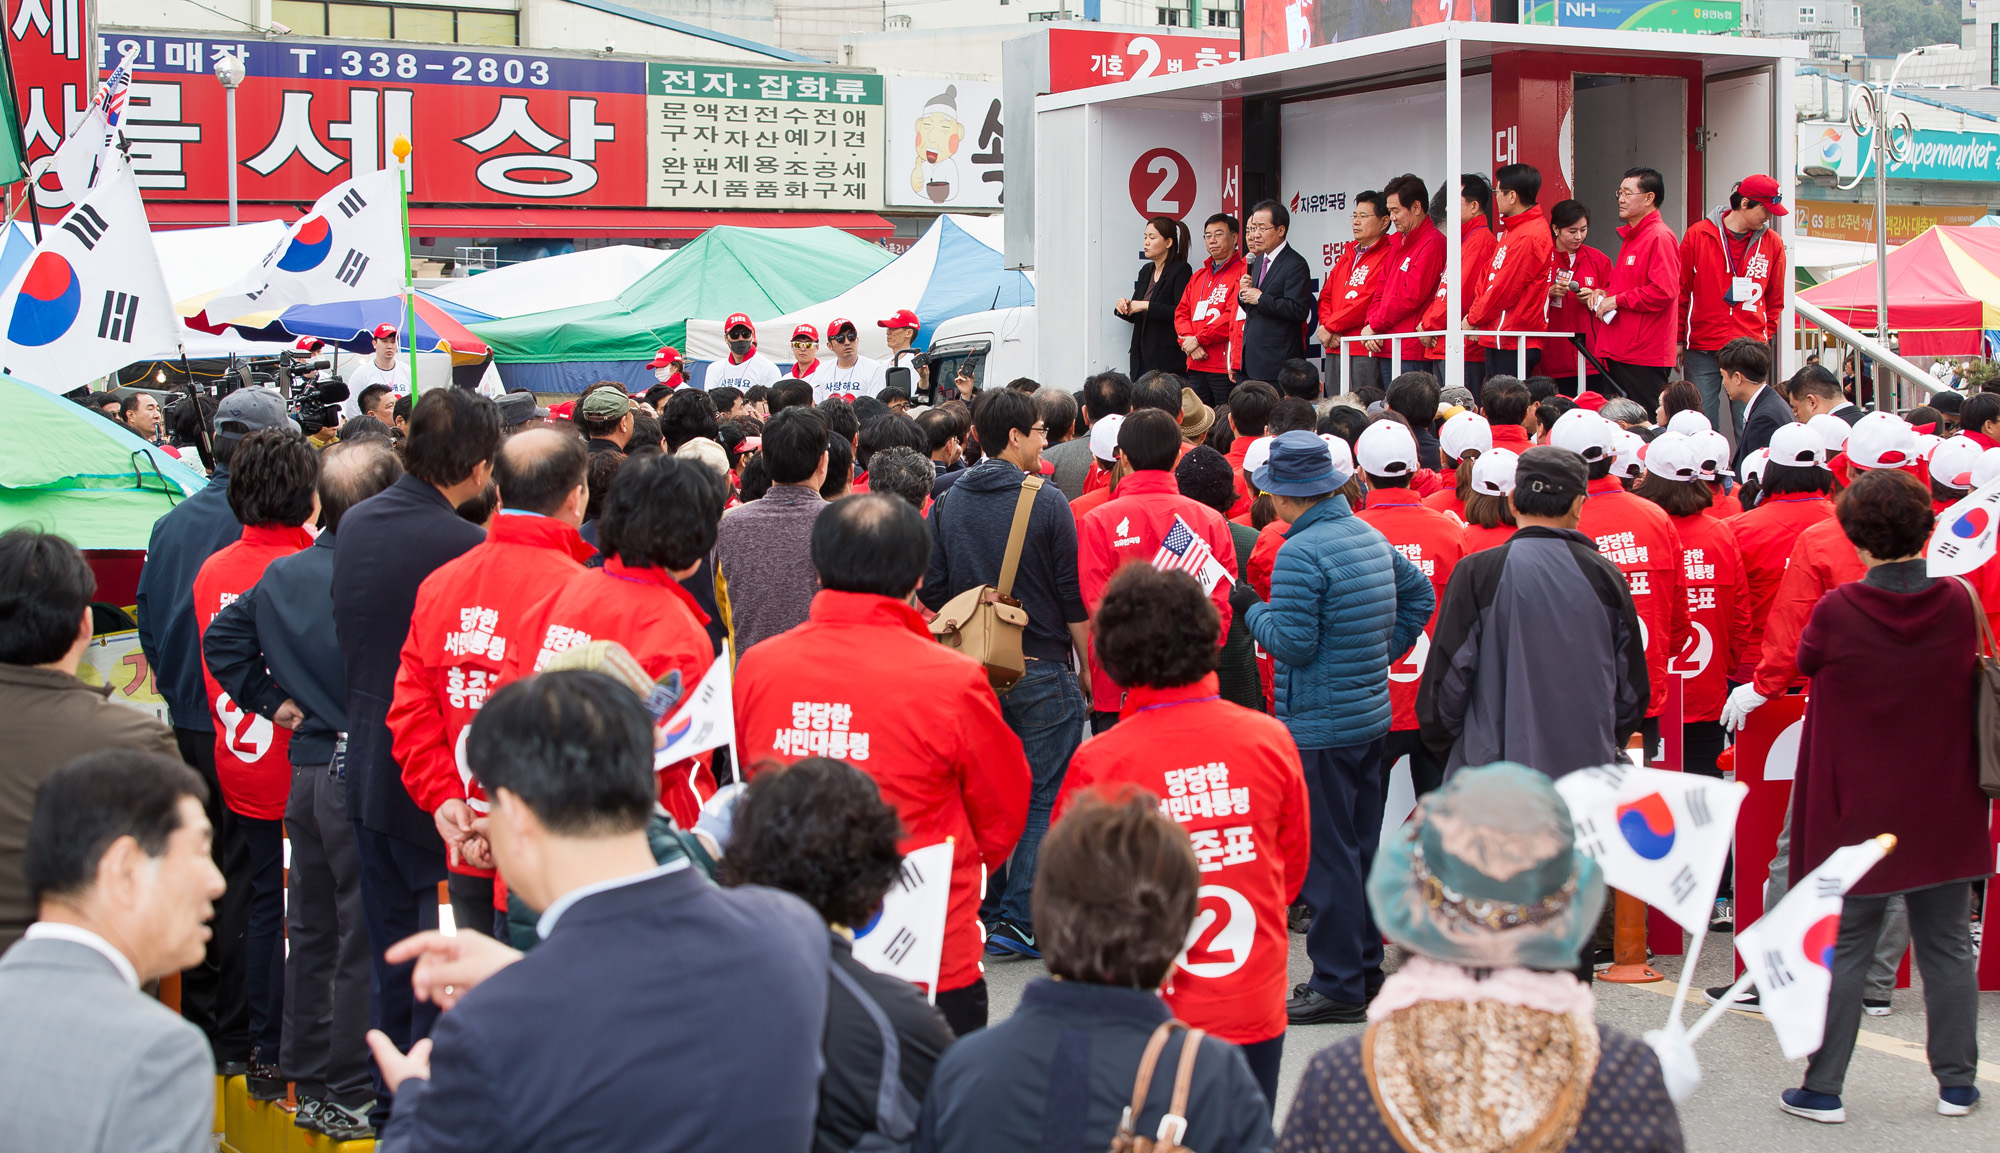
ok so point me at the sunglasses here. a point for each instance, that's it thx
(843, 338)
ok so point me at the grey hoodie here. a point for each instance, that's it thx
(969, 525)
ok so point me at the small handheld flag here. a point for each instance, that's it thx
(1184, 551)
(79, 162)
(906, 938)
(706, 719)
(1662, 837)
(1965, 535)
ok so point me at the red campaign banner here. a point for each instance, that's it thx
(1086, 58)
(488, 126)
(48, 42)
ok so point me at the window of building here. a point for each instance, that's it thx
(1808, 14)
(1044, 17)
(900, 20)
(1854, 15)
(1223, 18)
(1174, 17)
(397, 22)
(1993, 65)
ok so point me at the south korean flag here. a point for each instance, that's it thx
(1660, 836)
(90, 299)
(349, 247)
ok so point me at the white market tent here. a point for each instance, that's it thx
(588, 277)
(955, 268)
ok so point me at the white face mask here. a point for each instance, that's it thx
(663, 374)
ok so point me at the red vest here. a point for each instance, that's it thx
(1636, 535)
(252, 760)
(1434, 542)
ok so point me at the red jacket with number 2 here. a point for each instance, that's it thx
(833, 687)
(252, 755)
(1231, 777)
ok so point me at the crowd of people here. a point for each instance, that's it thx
(446, 652)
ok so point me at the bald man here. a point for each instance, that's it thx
(467, 621)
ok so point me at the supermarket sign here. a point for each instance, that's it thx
(489, 126)
(1971, 157)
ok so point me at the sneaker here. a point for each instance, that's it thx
(1723, 919)
(1311, 1007)
(1822, 1107)
(346, 1122)
(307, 1117)
(1957, 1100)
(1299, 918)
(1874, 1008)
(1004, 938)
(1746, 1000)
(265, 1082)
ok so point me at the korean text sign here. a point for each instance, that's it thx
(762, 138)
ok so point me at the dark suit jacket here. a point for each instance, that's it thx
(272, 643)
(1154, 344)
(1768, 413)
(1274, 328)
(191, 532)
(1851, 413)
(666, 1014)
(386, 546)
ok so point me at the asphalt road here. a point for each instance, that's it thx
(1890, 1096)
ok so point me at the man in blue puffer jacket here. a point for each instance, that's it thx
(1344, 607)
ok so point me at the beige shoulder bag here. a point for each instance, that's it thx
(985, 622)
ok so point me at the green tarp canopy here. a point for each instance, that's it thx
(67, 470)
(759, 271)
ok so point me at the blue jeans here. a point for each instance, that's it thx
(1707, 377)
(1047, 711)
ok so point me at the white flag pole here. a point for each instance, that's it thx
(1687, 975)
(1716, 1010)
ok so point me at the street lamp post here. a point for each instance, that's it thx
(229, 69)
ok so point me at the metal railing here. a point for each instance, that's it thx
(1395, 339)
(1870, 348)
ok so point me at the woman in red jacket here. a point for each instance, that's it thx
(1231, 777)
(1575, 270)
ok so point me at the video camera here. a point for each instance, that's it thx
(312, 400)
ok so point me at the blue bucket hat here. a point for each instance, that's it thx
(1486, 875)
(1301, 464)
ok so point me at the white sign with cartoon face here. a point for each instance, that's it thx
(946, 143)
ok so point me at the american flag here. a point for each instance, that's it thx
(1183, 551)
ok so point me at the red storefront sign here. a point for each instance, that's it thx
(1085, 58)
(48, 42)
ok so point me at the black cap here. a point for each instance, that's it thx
(1546, 468)
(1946, 401)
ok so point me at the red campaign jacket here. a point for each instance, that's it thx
(1351, 285)
(1232, 778)
(1725, 505)
(1636, 535)
(1708, 322)
(1511, 437)
(1407, 284)
(1207, 312)
(1479, 538)
(470, 616)
(1764, 539)
(1475, 253)
(1129, 527)
(1434, 542)
(1516, 295)
(1718, 598)
(657, 621)
(1238, 450)
(832, 687)
(1647, 282)
(1263, 560)
(1821, 560)
(1592, 269)
(252, 755)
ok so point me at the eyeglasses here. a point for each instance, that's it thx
(1260, 228)
(848, 338)
(1040, 428)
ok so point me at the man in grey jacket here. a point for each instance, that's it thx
(118, 859)
(1538, 656)
(1105, 394)
(763, 565)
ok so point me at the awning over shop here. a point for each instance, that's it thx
(527, 222)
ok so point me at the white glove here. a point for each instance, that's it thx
(1741, 703)
(1678, 1067)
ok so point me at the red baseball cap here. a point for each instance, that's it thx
(1590, 400)
(904, 318)
(387, 332)
(309, 344)
(738, 320)
(806, 332)
(667, 356)
(1761, 189)
(840, 322)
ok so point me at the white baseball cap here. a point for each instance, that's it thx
(1584, 433)
(1466, 432)
(1797, 446)
(1987, 469)
(1104, 437)
(1882, 440)
(1257, 455)
(1343, 456)
(1689, 421)
(1832, 430)
(1753, 465)
(1386, 448)
(1493, 472)
(1711, 453)
(1628, 448)
(1954, 460)
(1672, 456)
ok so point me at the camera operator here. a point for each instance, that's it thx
(382, 368)
(284, 624)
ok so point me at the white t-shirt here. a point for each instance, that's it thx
(864, 379)
(759, 369)
(367, 373)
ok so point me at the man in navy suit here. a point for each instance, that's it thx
(1276, 295)
(653, 991)
(1746, 365)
